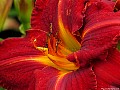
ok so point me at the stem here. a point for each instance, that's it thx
(5, 12)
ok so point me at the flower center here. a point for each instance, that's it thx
(55, 54)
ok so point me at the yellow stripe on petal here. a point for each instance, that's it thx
(67, 38)
(62, 51)
(101, 25)
(46, 61)
(63, 63)
(59, 79)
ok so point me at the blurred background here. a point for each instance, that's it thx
(15, 17)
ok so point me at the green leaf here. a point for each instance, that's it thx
(2, 88)
(23, 27)
(1, 39)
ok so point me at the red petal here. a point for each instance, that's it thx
(101, 85)
(109, 71)
(84, 56)
(22, 46)
(50, 79)
(99, 31)
(16, 62)
(18, 73)
(43, 77)
(71, 13)
(46, 14)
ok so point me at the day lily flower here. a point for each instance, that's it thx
(70, 46)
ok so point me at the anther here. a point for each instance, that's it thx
(51, 27)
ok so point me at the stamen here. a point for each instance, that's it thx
(42, 49)
(51, 26)
(57, 43)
